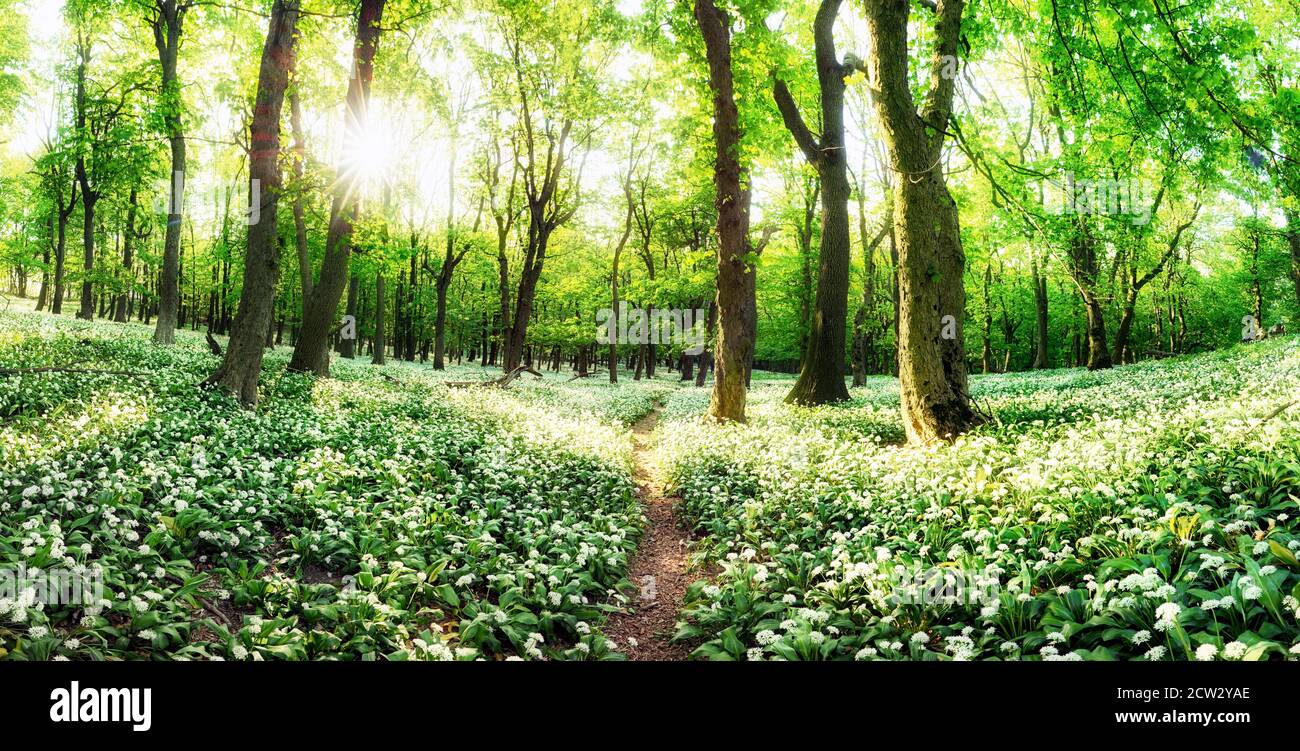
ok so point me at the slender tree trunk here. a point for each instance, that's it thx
(1293, 241)
(1039, 282)
(299, 179)
(61, 252)
(44, 294)
(312, 351)
(128, 246)
(348, 345)
(89, 197)
(167, 27)
(986, 357)
(379, 343)
(241, 365)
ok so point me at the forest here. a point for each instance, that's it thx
(650, 330)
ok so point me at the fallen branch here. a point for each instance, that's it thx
(506, 380)
(576, 376)
(502, 382)
(1277, 412)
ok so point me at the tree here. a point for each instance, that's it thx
(556, 93)
(821, 377)
(932, 366)
(311, 354)
(737, 311)
(166, 18)
(241, 365)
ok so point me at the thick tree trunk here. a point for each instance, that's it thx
(311, 355)
(242, 364)
(932, 298)
(821, 377)
(734, 350)
(167, 35)
(440, 322)
(1095, 331)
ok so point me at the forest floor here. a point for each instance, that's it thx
(1147, 512)
(659, 568)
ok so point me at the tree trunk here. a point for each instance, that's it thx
(311, 355)
(122, 314)
(986, 356)
(1293, 240)
(377, 357)
(61, 253)
(348, 345)
(440, 321)
(821, 376)
(735, 296)
(932, 298)
(242, 364)
(167, 36)
(299, 212)
(1039, 282)
(89, 197)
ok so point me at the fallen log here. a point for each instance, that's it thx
(502, 382)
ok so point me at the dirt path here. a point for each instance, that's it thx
(659, 567)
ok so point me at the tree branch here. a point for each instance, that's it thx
(794, 123)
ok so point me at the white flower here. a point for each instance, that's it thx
(1167, 616)
(1234, 650)
(1206, 652)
